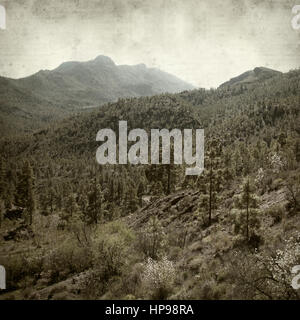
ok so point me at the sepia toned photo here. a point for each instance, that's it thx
(150, 150)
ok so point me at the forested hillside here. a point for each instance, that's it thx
(71, 228)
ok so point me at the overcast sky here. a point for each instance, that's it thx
(204, 42)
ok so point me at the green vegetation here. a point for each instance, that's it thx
(73, 229)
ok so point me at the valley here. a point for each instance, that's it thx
(74, 229)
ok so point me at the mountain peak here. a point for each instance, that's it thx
(99, 60)
(141, 66)
(266, 70)
(257, 74)
(104, 60)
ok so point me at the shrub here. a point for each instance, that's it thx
(277, 213)
(159, 277)
(293, 195)
(239, 218)
(66, 260)
(110, 258)
(152, 240)
(132, 280)
(22, 269)
(266, 275)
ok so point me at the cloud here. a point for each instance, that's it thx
(201, 41)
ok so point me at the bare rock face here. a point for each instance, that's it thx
(171, 209)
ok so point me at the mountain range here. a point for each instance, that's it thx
(48, 96)
(29, 103)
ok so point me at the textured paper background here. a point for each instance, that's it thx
(203, 42)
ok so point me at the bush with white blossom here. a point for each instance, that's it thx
(159, 276)
(284, 260)
(276, 162)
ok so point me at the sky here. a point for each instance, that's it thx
(204, 42)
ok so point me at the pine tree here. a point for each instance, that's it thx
(2, 209)
(21, 189)
(131, 199)
(50, 198)
(248, 221)
(120, 190)
(71, 206)
(112, 193)
(3, 182)
(171, 173)
(25, 195)
(140, 192)
(95, 207)
(31, 202)
(297, 150)
(213, 178)
(153, 239)
(246, 197)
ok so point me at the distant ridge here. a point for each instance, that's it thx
(257, 74)
(99, 81)
(47, 96)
